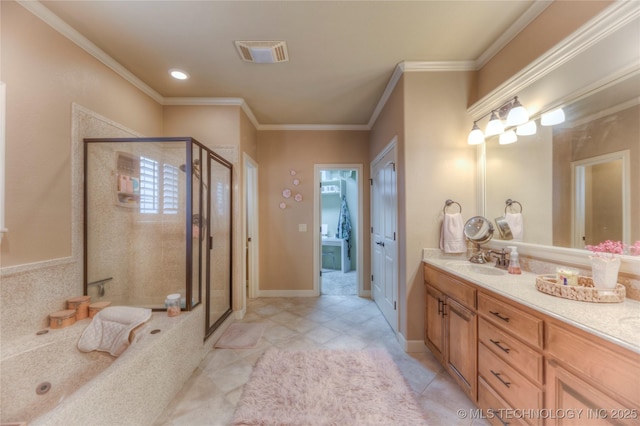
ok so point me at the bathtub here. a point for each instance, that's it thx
(46, 380)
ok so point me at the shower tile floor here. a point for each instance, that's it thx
(209, 397)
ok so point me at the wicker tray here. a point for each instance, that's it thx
(584, 291)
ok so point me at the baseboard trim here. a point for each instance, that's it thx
(411, 346)
(287, 293)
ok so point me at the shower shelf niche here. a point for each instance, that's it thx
(127, 180)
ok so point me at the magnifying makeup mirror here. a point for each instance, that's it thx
(478, 230)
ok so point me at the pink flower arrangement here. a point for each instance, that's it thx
(634, 250)
(608, 249)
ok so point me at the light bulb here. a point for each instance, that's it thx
(552, 117)
(508, 137)
(529, 128)
(476, 136)
(517, 115)
(494, 126)
(178, 74)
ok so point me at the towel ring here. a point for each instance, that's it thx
(448, 203)
(510, 203)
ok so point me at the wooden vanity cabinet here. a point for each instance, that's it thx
(451, 327)
(508, 358)
(586, 373)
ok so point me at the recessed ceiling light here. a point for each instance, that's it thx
(178, 74)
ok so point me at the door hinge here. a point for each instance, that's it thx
(371, 182)
(372, 229)
(394, 166)
(371, 277)
(395, 306)
(320, 273)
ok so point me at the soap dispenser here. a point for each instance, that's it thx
(514, 263)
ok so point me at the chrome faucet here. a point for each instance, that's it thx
(501, 258)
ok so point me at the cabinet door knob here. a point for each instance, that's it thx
(497, 343)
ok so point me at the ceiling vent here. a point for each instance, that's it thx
(263, 52)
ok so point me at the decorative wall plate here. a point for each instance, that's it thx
(286, 193)
(292, 172)
(283, 205)
(296, 182)
(298, 197)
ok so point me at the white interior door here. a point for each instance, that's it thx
(384, 263)
(250, 270)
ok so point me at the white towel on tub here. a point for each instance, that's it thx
(515, 224)
(452, 234)
(109, 330)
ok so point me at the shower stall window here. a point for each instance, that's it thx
(158, 221)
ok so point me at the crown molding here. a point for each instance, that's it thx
(421, 66)
(505, 38)
(606, 23)
(316, 127)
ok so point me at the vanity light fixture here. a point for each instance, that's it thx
(494, 126)
(178, 74)
(512, 111)
(529, 128)
(552, 117)
(507, 137)
(517, 114)
(476, 136)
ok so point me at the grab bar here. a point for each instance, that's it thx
(100, 284)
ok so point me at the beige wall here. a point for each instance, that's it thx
(427, 113)
(555, 23)
(286, 255)
(438, 165)
(45, 73)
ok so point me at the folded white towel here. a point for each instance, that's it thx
(515, 224)
(452, 234)
(109, 330)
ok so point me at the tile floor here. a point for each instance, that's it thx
(328, 322)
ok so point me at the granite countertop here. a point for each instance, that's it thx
(618, 323)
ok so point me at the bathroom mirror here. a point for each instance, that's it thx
(578, 180)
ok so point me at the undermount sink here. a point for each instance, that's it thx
(474, 268)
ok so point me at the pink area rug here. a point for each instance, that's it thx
(327, 387)
(241, 335)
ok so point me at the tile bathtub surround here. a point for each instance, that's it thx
(327, 322)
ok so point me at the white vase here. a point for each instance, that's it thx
(604, 271)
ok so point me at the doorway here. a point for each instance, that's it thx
(339, 230)
(601, 213)
(250, 229)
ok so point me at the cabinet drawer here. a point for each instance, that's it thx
(463, 293)
(527, 327)
(495, 409)
(512, 386)
(592, 357)
(511, 350)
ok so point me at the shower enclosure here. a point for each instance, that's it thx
(157, 221)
